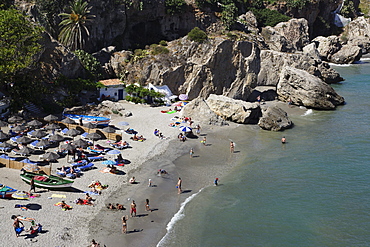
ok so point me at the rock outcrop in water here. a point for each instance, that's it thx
(274, 118)
(301, 88)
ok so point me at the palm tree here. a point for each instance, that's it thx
(74, 31)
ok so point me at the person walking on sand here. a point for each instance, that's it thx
(232, 147)
(133, 209)
(94, 243)
(198, 129)
(17, 226)
(216, 182)
(178, 186)
(204, 141)
(124, 224)
(147, 206)
(150, 182)
(191, 153)
(32, 185)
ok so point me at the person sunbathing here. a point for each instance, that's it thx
(120, 206)
(111, 206)
(132, 180)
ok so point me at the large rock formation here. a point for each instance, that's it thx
(331, 49)
(218, 66)
(55, 61)
(234, 110)
(290, 36)
(301, 88)
(357, 33)
(199, 110)
(274, 118)
(273, 62)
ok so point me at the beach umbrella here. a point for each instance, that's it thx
(43, 143)
(3, 136)
(24, 139)
(56, 138)
(68, 121)
(18, 128)
(34, 123)
(183, 97)
(73, 132)
(109, 162)
(39, 133)
(50, 118)
(113, 152)
(90, 126)
(31, 168)
(20, 195)
(25, 151)
(3, 124)
(93, 136)
(68, 146)
(50, 156)
(81, 143)
(109, 130)
(6, 145)
(123, 123)
(185, 129)
(52, 126)
(15, 119)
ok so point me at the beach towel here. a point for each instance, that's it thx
(92, 193)
(58, 196)
(170, 112)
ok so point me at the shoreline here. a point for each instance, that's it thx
(84, 223)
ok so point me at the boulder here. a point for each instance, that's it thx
(311, 51)
(327, 46)
(273, 62)
(357, 33)
(347, 54)
(290, 36)
(303, 89)
(249, 21)
(234, 110)
(274, 118)
(199, 111)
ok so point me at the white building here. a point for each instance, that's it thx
(114, 89)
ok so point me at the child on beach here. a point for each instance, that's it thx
(191, 153)
(216, 182)
(150, 183)
(147, 207)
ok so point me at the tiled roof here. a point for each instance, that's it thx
(111, 82)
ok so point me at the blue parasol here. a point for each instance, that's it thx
(185, 129)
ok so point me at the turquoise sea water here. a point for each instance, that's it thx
(313, 191)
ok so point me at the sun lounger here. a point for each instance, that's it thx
(84, 135)
(29, 134)
(86, 167)
(16, 152)
(80, 163)
(98, 151)
(64, 131)
(14, 138)
(5, 149)
(95, 158)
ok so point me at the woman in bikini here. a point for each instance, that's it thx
(124, 224)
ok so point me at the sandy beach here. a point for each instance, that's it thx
(78, 226)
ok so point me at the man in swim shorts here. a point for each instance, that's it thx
(17, 227)
(133, 209)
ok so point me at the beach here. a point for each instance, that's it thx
(77, 227)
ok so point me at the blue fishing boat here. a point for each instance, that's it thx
(99, 121)
(6, 191)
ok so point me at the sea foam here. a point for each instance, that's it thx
(308, 112)
(178, 216)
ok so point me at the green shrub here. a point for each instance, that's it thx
(163, 43)
(300, 4)
(197, 35)
(158, 49)
(268, 17)
(174, 6)
(89, 62)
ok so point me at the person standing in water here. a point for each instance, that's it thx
(178, 186)
(283, 140)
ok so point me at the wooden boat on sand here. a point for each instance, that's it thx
(46, 181)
